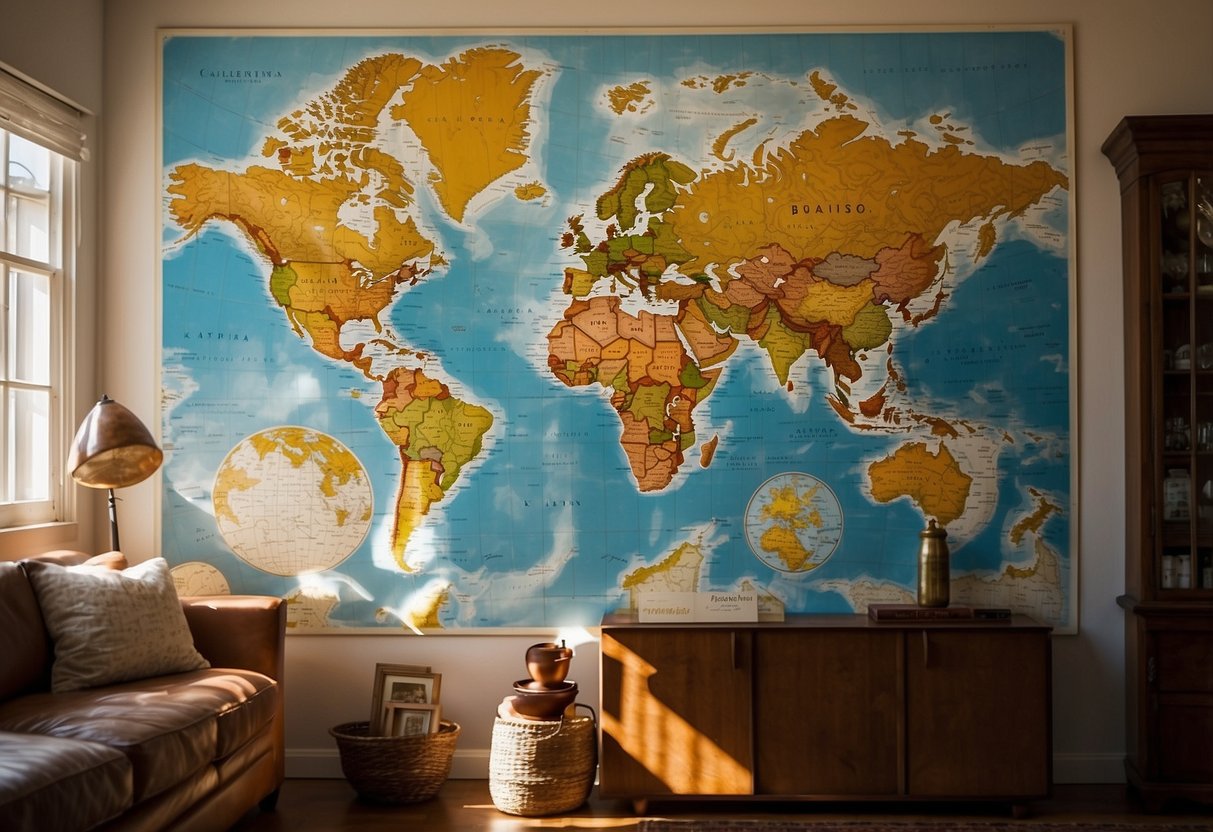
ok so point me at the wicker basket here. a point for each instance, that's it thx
(395, 769)
(541, 768)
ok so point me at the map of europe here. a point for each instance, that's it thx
(468, 330)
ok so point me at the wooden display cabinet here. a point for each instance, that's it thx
(826, 707)
(1165, 168)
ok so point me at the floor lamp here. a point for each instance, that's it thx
(112, 449)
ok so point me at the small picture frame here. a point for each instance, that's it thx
(406, 719)
(401, 684)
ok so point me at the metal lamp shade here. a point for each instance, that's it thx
(112, 448)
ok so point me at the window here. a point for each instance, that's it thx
(37, 245)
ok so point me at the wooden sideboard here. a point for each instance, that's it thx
(826, 707)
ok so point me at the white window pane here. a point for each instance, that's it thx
(28, 442)
(33, 186)
(29, 165)
(28, 228)
(6, 315)
(29, 327)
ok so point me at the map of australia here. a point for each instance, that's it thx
(588, 329)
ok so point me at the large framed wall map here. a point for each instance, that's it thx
(484, 330)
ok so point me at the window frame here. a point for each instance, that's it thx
(63, 238)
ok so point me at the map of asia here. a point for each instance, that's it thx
(471, 330)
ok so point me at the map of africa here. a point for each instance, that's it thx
(473, 331)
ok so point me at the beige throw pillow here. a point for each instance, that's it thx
(112, 626)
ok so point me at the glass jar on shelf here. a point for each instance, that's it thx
(1177, 436)
(1204, 211)
(1205, 566)
(1177, 570)
(1204, 236)
(1204, 435)
(1176, 225)
(1183, 571)
(1177, 495)
(1204, 504)
(1204, 356)
(1183, 357)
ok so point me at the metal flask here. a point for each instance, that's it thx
(933, 567)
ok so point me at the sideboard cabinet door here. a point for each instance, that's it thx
(827, 712)
(676, 708)
(978, 713)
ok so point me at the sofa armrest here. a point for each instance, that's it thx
(248, 632)
(245, 631)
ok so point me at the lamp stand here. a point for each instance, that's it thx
(113, 521)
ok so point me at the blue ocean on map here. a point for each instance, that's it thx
(544, 527)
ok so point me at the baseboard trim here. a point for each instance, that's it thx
(1089, 768)
(473, 764)
(325, 764)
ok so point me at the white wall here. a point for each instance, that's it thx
(58, 43)
(1130, 57)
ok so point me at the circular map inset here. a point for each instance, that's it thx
(793, 522)
(290, 500)
(197, 578)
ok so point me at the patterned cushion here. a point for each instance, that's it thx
(112, 626)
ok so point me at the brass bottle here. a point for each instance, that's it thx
(933, 567)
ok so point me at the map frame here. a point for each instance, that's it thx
(1067, 625)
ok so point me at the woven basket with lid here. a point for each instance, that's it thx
(541, 768)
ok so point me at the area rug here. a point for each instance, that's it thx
(879, 825)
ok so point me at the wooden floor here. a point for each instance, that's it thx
(466, 806)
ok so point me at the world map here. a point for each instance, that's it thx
(464, 330)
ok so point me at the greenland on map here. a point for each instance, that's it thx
(469, 330)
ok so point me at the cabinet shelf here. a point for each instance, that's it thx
(1181, 538)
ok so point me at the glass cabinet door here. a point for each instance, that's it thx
(1185, 415)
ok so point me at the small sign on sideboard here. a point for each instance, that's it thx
(697, 607)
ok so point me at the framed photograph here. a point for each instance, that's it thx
(401, 684)
(405, 719)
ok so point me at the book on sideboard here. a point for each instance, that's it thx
(913, 612)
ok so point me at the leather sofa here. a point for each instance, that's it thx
(193, 750)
